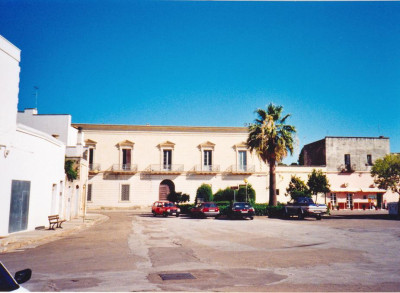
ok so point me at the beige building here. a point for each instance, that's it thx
(137, 165)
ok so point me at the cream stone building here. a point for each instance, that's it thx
(132, 165)
(137, 165)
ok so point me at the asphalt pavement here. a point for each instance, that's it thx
(29, 239)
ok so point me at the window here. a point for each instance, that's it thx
(369, 160)
(125, 192)
(89, 192)
(167, 159)
(91, 156)
(333, 199)
(207, 160)
(126, 159)
(347, 161)
(277, 191)
(242, 161)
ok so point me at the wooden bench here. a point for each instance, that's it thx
(54, 221)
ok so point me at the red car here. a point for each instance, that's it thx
(205, 209)
(165, 208)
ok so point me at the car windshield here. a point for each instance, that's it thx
(7, 283)
(169, 204)
(242, 205)
(210, 205)
(305, 200)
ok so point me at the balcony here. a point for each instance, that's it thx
(241, 169)
(205, 169)
(123, 169)
(347, 168)
(164, 169)
(94, 169)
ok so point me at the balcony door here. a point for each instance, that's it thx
(167, 160)
(242, 166)
(126, 159)
(207, 160)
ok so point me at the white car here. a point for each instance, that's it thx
(9, 283)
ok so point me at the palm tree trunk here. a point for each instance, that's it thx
(272, 184)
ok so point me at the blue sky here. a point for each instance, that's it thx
(335, 66)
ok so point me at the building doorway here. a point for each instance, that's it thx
(166, 187)
(19, 207)
(349, 204)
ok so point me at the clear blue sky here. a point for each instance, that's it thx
(335, 66)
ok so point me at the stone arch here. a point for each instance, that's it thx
(166, 186)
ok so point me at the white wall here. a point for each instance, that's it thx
(9, 88)
(50, 124)
(38, 158)
(27, 154)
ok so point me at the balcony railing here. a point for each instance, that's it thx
(205, 169)
(242, 169)
(164, 169)
(94, 168)
(123, 169)
(347, 168)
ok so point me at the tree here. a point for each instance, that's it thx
(204, 193)
(386, 173)
(178, 197)
(271, 139)
(71, 170)
(318, 183)
(297, 188)
(249, 196)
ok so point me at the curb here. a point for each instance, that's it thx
(35, 238)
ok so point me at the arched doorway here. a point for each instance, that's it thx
(166, 187)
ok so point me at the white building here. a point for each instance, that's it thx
(31, 162)
(59, 126)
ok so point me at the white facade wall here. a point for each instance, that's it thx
(52, 124)
(26, 154)
(9, 88)
(187, 151)
(186, 141)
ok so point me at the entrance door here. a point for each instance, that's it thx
(19, 207)
(379, 200)
(166, 186)
(349, 200)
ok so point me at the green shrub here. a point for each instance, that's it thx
(242, 196)
(185, 208)
(260, 209)
(276, 211)
(204, 193)
(222, 203)
(178, 197)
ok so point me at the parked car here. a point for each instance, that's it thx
(165, 208)
(241, 210)
(305, 207)
(10, 283)
(205, 209)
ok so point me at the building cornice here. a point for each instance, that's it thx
(115, 127)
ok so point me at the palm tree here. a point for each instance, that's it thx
(271, 139)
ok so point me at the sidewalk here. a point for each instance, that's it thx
(30, 239)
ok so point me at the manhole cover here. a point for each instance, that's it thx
(180, 276)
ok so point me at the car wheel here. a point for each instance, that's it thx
(319, 217)
(165, 215)
(251, 218)
(177, 215)
(154, 214)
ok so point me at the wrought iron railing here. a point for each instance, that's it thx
(124, 168)
(238, 169)
(206, 169)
